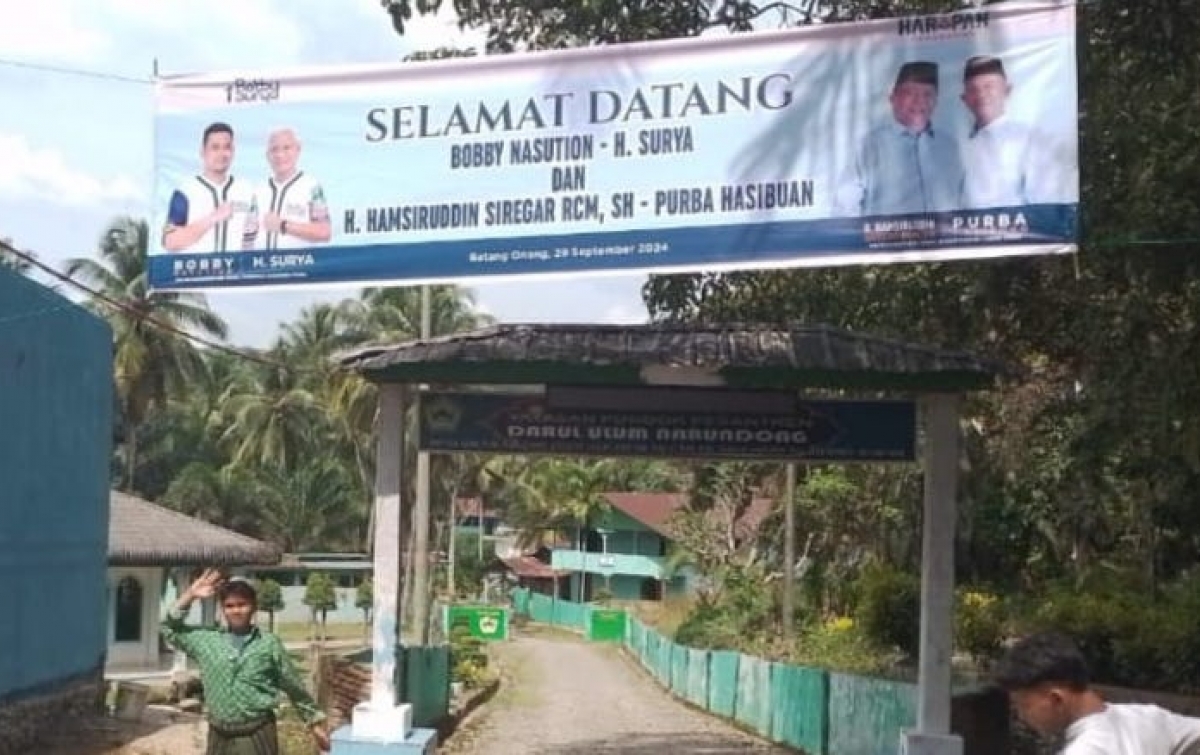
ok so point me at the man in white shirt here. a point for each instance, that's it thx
(292, 204)
(1005, 164)
(1048, 683)
(209, 212)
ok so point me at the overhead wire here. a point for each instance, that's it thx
(127, 309)
(69, 71)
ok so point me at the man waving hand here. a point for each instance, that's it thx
(243, 669)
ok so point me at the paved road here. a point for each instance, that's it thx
(566, 697)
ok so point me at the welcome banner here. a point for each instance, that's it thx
(920, 138)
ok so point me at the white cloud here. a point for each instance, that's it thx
(51, 30)
(214, 34)
(624, 313)
(42, 173)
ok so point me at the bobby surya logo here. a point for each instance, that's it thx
(252, 90)
(949, 23)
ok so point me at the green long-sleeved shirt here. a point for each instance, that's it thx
(240, 685)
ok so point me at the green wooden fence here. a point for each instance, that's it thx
(812, 710)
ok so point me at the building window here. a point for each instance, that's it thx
(651, 589)
(128, 611)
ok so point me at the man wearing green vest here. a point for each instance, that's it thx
(243, 669)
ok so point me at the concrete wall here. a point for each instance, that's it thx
(56, 416)
(622, 586)
(294, 610)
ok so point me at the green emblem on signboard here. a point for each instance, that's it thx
(480, 622)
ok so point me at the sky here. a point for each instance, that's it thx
(76, 151)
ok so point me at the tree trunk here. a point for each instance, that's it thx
(130, 455)
(787, 605)
(370, 540)
(451, 549)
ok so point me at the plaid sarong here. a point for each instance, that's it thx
(254, 738)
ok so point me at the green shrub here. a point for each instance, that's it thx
(710, 627)
(1130, 638)
(839, 644)
(1096, 621)
(743, 615)
(889, 608)
(468, 658)
(978, 623)
(469, 674)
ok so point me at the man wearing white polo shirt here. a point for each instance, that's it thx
(210, 212)
(291, 202)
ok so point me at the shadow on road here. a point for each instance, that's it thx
(99, 735)
(655, 744)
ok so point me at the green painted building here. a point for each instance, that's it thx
(625, 551)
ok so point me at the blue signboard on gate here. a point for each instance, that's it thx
(815, 430)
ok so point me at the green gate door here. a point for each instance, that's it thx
(607, 625)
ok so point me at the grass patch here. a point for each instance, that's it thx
(302, 632)
(665, 616)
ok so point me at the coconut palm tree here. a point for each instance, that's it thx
(12, 261)
(394, 314)
(150, 359)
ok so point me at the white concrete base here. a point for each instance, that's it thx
(381, 723)
(914, 743)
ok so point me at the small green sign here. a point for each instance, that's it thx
(483, 622)
(607, 625)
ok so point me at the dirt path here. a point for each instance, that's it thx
(563, 696)
(158, 733)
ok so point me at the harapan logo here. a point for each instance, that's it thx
(950, 23)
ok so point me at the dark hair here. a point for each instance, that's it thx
(238, 588)
(918, 71)
(982, 64)
(1042, 658)
(216, 128)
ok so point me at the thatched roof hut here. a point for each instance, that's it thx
(143, 534)
(743, 356)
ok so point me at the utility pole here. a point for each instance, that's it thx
(421, 514)
(789, 552)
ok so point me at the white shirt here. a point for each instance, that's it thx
(299, 199)
(1006, 164)
(1125, 729)
(197, 197)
